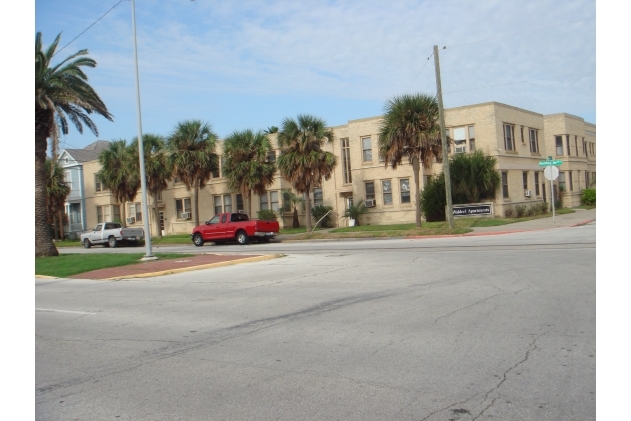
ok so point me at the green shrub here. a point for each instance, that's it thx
(433, 199)
(355, 211)
(531, 211)
(318, 212)
(508, 212)
(588, 197)
(520, 210)
(267, 215)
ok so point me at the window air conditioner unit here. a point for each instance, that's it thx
(131, 220)
(370, 203)
(186, 215)
(527, 193)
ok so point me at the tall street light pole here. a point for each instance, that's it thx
(141, 150)
(443, 138)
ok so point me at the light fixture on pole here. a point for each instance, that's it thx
(141, 150)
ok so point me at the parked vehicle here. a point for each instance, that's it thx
(112, 234)
(234, 226)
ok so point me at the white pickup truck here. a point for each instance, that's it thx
(111, 234)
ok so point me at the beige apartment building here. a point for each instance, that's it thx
(518, 138)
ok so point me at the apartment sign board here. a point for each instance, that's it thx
(473, 210)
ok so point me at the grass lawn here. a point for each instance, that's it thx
(66, 265)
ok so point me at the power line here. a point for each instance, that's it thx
(419, 73)
(522, 32)
(523, 81)
(86, 29)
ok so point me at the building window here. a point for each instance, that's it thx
(586, 179)
(269, 200)
(509, 137)
(318, 197)
(286, 202)
(98, 184)
(227, 203)
(536, 183)
(559, 145)
(534, 140)
(405, 190)
(176, 180)
(346, 161)
(264, 202)
(366, 149)
(576, 145)
(386, 186)
(460, 140)
(271, 156)
(471, 139)
(370, 190)
(240, 202)
(505, 184)
(569, 173)
(223, 163)
(135, 210)
(182, 206)
(218, 207)
(68, 178)
(562, 180)
(103, 214)
(521, 129)
(584, 147)
(567, 143)
(525, 179)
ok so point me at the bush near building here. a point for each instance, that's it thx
(588, 197)
(267, 215)
(318, 212)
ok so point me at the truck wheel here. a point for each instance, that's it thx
(112, 242)
(242, 238)
(198, 240)
(86, 243)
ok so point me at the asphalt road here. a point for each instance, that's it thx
(479, 328)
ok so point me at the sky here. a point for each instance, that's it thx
(250, 64)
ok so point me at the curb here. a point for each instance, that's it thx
(180, 270)
(192, 268)
(585, 222)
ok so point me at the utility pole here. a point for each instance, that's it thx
(443, 138)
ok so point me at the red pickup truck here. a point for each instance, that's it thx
(234, 226)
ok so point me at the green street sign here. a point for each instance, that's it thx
(548, 163)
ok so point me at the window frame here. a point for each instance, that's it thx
(373, 196)
(533, 141)
(525, 179)
(387, 193)
(347, 177)
(537, 187)
(558, 143)
(184, 209)
(402, 190)
(510, 138)
(505, 192)
(365, 150)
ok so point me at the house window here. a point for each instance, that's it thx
(264, 201)
(273, 196)
(182, 206)
(505, 184)
(318, 197)
(386, 186)
(471, 139)
(559, 145)
(135, 210)
(366, 149)
(405, 190)
(460, 139)
(509, 137)
(218, 207)
(562, 180)
(370, 190)
(567, 143)
(103, 214)
(525, 179)
(227, 203)
(346, 161)
(240, 202)
(98, 185)
(271, 156)
(68, 179)
(534, 140)
(536, 183)
(569, 173)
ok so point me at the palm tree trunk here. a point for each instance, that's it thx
(123, 214)
(44, 245)
(296, 221)
(157, 214)
(417, 189)
(308, 209)
(196, 201)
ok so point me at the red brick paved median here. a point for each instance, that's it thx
(159, 266)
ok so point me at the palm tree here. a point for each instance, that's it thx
(61, 93)
(192, 156)
(246, 166)
(57, 190)
(293, 200)
(355, 211)
(473, 175)
(119, 172)
(303, 162)
(410, 128)
(157, 171)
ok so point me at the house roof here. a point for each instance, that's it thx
(90, 152)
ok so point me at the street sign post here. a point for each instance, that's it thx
(551, 173)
